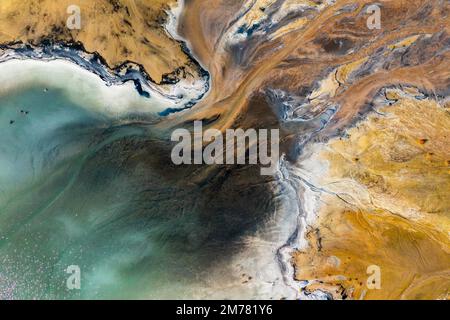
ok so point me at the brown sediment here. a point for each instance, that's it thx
(296, 60)
(119, 31)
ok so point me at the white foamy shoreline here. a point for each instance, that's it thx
(117, 92)
(80, 85)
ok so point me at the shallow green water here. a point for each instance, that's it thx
(78, 188)
(59, 203)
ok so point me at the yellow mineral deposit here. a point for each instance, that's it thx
(119, 31)
(391, 208)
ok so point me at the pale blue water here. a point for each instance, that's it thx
(79, 188)
(59, 203)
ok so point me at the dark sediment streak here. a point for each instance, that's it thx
(93, 62)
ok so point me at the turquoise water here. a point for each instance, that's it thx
(79, 188)
(60, 204)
